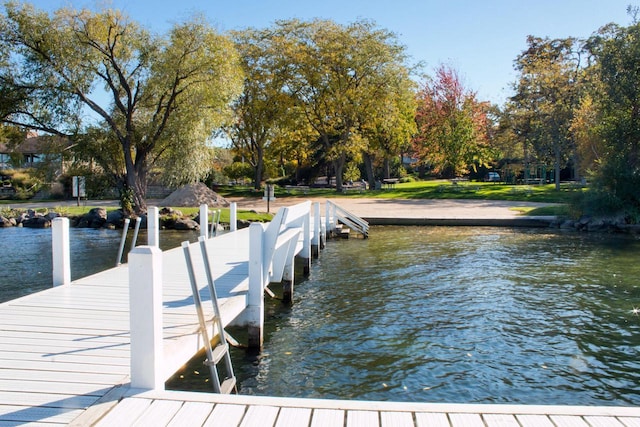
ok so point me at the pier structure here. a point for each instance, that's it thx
(97, 350)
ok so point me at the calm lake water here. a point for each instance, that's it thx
(487, 315)
(431, 314)
(26, 255)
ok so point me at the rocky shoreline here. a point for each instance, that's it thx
(99, 218)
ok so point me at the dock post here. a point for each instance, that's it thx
(315, 243)
(327, 219)
(305, 254)
(153, 227)
(61, 251)
(145, 316)
(255, 300)
(233, 216)
(204, 220)
(288, 279)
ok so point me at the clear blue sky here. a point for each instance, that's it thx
(480, 39)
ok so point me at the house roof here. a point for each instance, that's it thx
(36, 145)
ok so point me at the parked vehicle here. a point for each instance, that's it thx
(492, 177)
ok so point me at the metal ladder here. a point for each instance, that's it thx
(220, 351)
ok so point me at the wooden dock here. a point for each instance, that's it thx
(66, 356)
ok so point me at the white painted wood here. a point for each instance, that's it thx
(226, 415)
(568, 421)
(255, 299)
(145, 306)
(233, 216)
(158, 413)
(431, 419)
(293, 417)
(260, 416)
(126, 413)
(153, 227)
(13, 415)
(362, 419)
(204, 220)
(51, 387)
(500, 420)
(534, 421)
(60, 400)
(61, 250)
(601, 421)
(191, 414)
(327, 418)
(466, 420)
(629, 421)
(396, 419)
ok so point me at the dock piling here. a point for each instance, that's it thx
(204, 220)
(255, 299)
(145, 314)
(233, 216)
(153, 227)
(61, 250)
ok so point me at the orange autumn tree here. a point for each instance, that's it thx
(453, 126)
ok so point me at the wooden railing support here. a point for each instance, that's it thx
(255, 298)
(317, 229)
(153, 227)
(233, 216)
(61, 250)
(145, 317)
(204, 220)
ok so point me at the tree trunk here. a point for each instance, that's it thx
(257, 183)
(557, 166)
(368, 166)
(338, 165)
(386, 168)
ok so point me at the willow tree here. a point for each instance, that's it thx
(157, 99)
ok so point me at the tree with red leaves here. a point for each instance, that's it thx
(453, 126)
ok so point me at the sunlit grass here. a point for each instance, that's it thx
(433, 189)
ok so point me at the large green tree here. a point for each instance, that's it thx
(547, 93)
(616, 51)
(341, 79)
(263, 111)
(148, 99)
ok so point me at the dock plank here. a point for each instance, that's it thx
(225, 415)
(432, 419)
(125, 413)
(260, 416)
(396, 419)
(158, 413)
(191, 414)
(356, 418)
(293, 417)
(327, 418)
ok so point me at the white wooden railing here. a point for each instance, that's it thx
(336, 214)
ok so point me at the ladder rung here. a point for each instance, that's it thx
(217, 354)
(228, 386)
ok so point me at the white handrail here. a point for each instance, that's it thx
(347, 218)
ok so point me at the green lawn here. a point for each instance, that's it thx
(435, 189)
